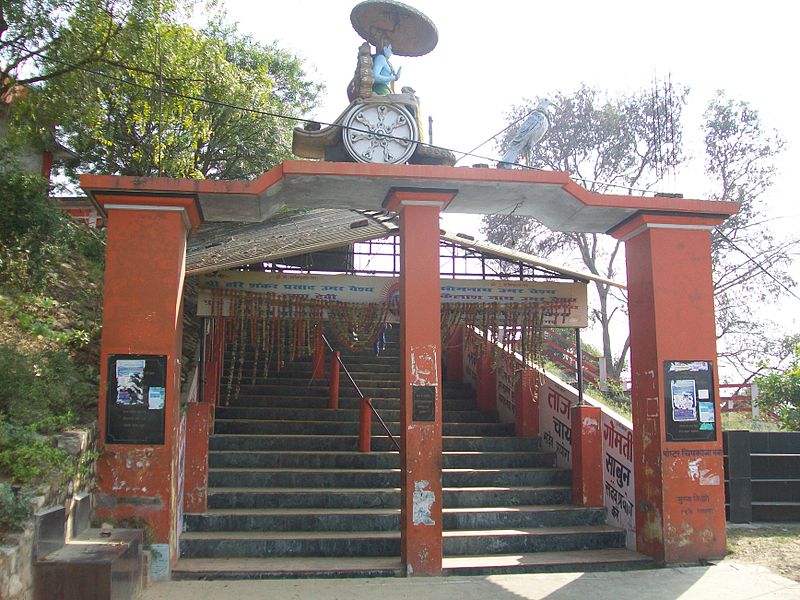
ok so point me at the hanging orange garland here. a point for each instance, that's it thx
(279, 329)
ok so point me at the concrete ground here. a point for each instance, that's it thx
(728, 581)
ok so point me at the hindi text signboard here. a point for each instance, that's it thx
(570, 298)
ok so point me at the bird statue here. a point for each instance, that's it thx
(529, 134)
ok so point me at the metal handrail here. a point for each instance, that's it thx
(362, 396)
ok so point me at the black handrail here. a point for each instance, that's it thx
(362, 396)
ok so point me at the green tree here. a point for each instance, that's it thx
(740, 156)
(629, 141)
(634, 142)
(779, 392)
(174, 101)
(31, 30)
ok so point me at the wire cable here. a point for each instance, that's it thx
(756, 263)
(265, 113)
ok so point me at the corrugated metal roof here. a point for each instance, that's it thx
(491, 249)
(228, 245)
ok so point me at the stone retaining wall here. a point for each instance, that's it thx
(16, 550)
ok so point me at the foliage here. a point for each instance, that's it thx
(740, 156)
(739, 421)
(34, 233)
(66, 34)
(171, 100)
(48, 300)
(632, 141)
(29, 458)
(15, 508)
(621, 142)
(31, 230)
(41, 388)
(779, 392)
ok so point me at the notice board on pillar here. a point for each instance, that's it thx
(136, 399)
(689, 399)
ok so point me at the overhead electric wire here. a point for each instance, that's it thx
(502, 131)
(756, 263)
(162, 90)
(265, 113)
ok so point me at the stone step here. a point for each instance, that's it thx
(321, 401)
(380, 443)
(468, 497)
(371, 460)
(249, 357)
(388, 519)
(382, 478)
(232, 544)
(305, 391)
(373, 382)
(612, 559)
(253, 426)
(285, 413)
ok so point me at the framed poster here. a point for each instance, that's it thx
(689, 399)
(136, 396)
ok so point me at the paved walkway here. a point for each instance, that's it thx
(727, 581)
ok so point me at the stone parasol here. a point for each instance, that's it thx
(409, 31)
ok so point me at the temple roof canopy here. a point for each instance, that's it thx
(549, 196)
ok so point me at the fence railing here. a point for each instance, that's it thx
(366, 406)
(548, 404)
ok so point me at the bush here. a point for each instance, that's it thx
(779, 392)
(36, 388)
(32, 231)
(35, 235)
(29, 458)
(15, 508)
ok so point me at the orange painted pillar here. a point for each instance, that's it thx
(365, 426)
(142, 315)
(420, 378)
(587, 456)
(199, 421)
(318, 357)
(487, 382)
(680, 501)
(454, 356)
(333, 386)
(526, 405)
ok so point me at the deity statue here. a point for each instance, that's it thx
(383, 74)
(380, 126)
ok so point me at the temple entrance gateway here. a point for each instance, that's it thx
(659, 477)
(654, 233)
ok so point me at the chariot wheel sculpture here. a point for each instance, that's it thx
(380, 133)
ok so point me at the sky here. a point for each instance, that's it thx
(491, 55)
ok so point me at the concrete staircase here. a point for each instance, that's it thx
(289, 495)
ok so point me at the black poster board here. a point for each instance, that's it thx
(689, 401)
(423, 399)
(136, 399)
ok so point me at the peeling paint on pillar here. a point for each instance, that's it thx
(590, 422)
(424, 365)
(421, 356)
(680, 509)
(422, 503)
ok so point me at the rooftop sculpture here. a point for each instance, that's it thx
(530, 133)
(379, 126)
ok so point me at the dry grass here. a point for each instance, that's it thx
(773, 545)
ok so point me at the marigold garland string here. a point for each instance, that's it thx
(279, 329)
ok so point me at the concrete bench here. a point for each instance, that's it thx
(87, 566)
